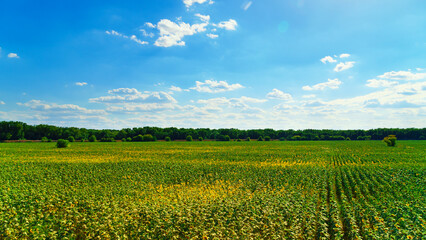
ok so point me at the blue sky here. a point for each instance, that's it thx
(199, 63)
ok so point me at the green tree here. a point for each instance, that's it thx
(189, 138)
(390, 140)
(62, 143)
(92, 138)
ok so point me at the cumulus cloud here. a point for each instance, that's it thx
(277, 94)
(125, 91)
(189, 3)
(343, 66)
(131, 95)
(410, 92)
(403, 75)
(374, 83)
(331, 83)
(171, 33)
(81, 84)
(146, 34)
(328, 59)
(175, 89)
(60, 109)
(212, 36)
(12, 55)
(231, 25)
(133, 37)
(213, 86)
(204, 18)
(314, 104)
(247, 5)
(150, 25)
(242, 104)
(344, 55)
(2, 103)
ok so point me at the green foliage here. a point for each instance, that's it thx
(44, 139)
(390, 140)
(129, 139)
(92, 138)
(363, 138)
(282, 139)
(123, 139)
(107, 140)
(200, 139)
(148, 138)
(138, 138)
(19, 130)
(62, 143)
(71, 139)
(296, 138)
(167, 139)
(267, 138)
(239, 140)
(248, 139)
(49, 140)
(260, 139)
(348, 139)
(227, 138)
(189, 138)
(82, 140)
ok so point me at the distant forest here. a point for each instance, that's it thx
(23, 131)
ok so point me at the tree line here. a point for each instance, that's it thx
(10, 130)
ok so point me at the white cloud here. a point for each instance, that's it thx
(374, 83)
(343, 66)
(213, 86)
(410, 92)
(12, 55)
(2, 103)
(125, 91)
(247, 5)
(113, 32)
(171, 33)
(60, 110)
(403, 75)
(331, 83)
(212, 36)
(189, 3)
(133, 37)
(344, 55)
(146, 34)
(175, 89)
(81, 84)
(204, 18)
(328, 59)
(150, 25)
(242, 104)
(129, 108)
(231, 25)
(131, 95)
(277, 94)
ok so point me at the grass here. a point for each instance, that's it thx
(196, 190)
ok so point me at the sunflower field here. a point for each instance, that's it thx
(213, 190)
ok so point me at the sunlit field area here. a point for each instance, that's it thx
(213, 190)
